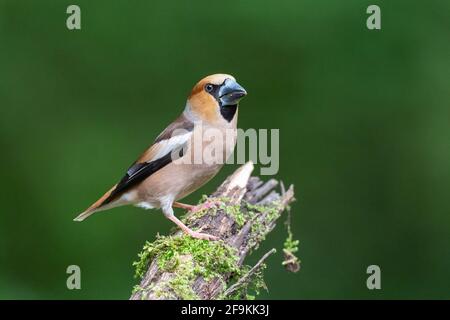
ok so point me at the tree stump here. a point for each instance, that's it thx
(245, 210)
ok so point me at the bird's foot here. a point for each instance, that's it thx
(208, 204)
(192, 209)
(203, 236)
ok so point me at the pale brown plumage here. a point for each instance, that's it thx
(169, 169)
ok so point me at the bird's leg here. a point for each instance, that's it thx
(184, 206)
(168, 212)
(202, 206)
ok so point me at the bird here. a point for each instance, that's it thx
(170, 169)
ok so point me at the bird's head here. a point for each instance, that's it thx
(216, 97)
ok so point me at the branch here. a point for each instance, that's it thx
(180, 267)
(248, 276)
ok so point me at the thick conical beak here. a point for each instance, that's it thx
(230, 93)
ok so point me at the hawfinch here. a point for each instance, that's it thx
(177, 163)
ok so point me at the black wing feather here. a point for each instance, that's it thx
(138, 172)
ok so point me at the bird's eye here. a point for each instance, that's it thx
(209, 87)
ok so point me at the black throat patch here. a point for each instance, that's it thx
(228, 112)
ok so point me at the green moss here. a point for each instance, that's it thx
(272, 212)
(234, 211)
(291, 261)
(260, 226)
(190, 217)
(187, 258)
(137, 288)
(181, 284)
(248, 212)
(290, 244)
(239, 215)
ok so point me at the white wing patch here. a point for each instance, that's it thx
(164, 147)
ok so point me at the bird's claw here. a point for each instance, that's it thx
(203, 236)
(204, 206)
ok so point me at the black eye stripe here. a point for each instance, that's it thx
(212, 89)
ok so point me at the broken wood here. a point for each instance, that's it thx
(247, 209)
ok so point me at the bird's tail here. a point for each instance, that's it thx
(84, 214)
(97, 206)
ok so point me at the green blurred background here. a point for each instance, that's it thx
(363, 118)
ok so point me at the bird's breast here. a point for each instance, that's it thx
(207, 151)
